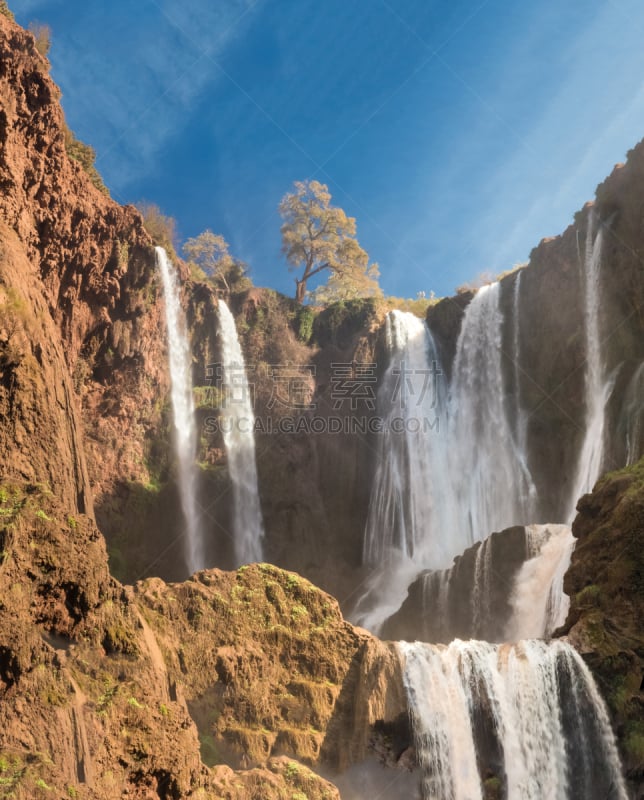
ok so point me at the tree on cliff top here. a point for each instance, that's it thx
(210, 252)
(317, 236)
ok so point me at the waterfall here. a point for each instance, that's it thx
(632, 416)
(180, 360)
(492, 486)
(238, 421)
(410, 459)
(505, 588)
(529, 714)
(597, 387)
(480, 601)
(407, 525)
(520, 417)
(437, 491)
(539, 604)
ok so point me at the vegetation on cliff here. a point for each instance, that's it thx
(93, 707)
(606, 586)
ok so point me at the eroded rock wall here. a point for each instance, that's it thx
(606, 585)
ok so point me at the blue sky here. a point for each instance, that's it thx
(457, 132)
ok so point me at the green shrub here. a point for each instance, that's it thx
(86, 156)
(589, 595)
(304, 320)
(342, 320)
(292, 769)
(6, 11)
(208, 749)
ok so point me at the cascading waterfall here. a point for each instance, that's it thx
(520, 417)
(405, 497)
(524, 714)
(437, 491)
(632, 417)
(410, 483)
(180, 360)
(539, 604)
(528, 713)
(238, 422)
(597, 386)
(505, 588)
(492, 486)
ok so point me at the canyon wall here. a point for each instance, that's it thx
(151, 682)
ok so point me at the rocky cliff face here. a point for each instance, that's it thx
(41, 435)
(606, 586)
(89, 705)
(550, 348)
(471, 600)
(314, 487)
(92, 283)
(92, 267)
(100, 684)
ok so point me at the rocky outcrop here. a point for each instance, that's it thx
(95, 263)
(81, 705)
(269, 667)
(606, 586)
(471, 600)
(100, 684)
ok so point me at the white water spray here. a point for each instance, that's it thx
(180, 360)
(238, 422)
(520, 417)
(438, 490)
(539, 604)
(534, 704)
(492, 487)
(407, 498)
(632, 416)
(403, 504)
(597, 386)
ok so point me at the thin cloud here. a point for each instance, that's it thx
(147, 92)
(548, 170)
